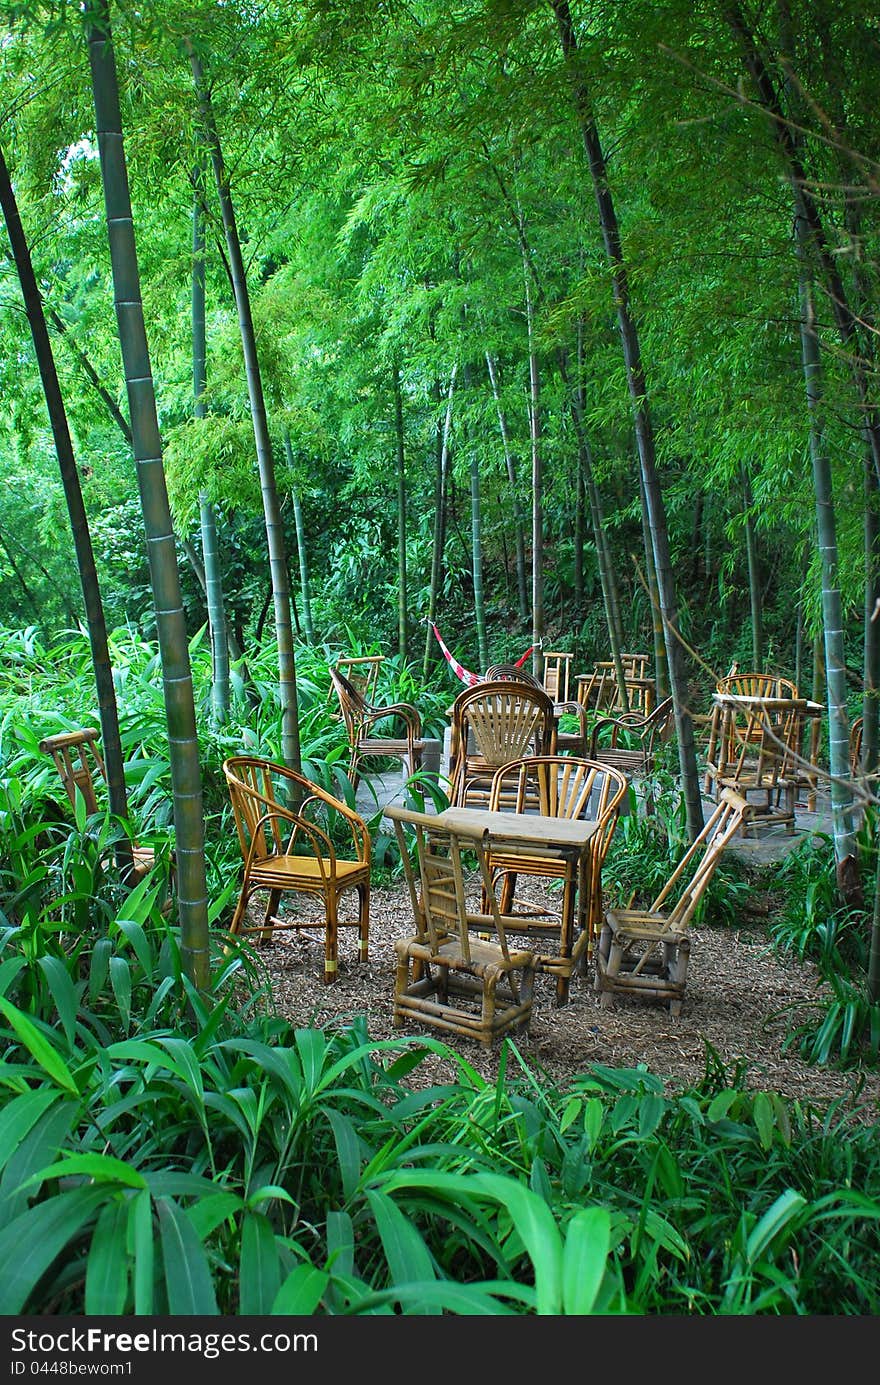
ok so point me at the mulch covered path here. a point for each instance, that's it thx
(740, 1000)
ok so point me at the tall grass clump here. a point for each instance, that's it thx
(840, 1024)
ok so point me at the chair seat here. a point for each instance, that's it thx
(388, 745)
(631, 923)
(629, 761)
(485, 957)
(277, 872)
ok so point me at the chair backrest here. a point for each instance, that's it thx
(270, 800)
(701, 858)
(556, 676)
(437, 885)
(79, 762)
(760, 738)
(501, 721)
(509, 672)
(352, 703)
(757, 685)
(557, 786)
(362, 672)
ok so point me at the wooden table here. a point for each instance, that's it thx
(530, 838)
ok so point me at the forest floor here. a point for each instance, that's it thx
(741, 1003)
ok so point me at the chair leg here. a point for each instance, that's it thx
(331, 943)
(364, 917)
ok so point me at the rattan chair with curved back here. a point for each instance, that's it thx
(80, 764)
(361, 718)
(563, 787)
(493, 723)
(288, 829)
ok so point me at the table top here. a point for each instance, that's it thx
(775, 704)
(533, 828)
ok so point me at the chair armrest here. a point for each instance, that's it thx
(360, 834)
(405, 710)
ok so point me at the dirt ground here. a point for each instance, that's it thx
(740, 1003)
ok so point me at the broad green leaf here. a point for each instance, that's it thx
(721, 1104)
(188, 1281)
(20, 1115)
(209, 1212)
(63, 992)
(120, 980)
(784, 1210)
(260, 1273)
(348, 1150)
(405, 1250)
(103, 1168)
(142, 1249)
(107, 1265)
(30, 1243)
(301, 1292)
(538, 1232)
(584, 1257)
(762, 1111)
(38, 1147)
(9, 970)
(39, 1047)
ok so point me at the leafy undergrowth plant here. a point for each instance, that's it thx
(260, 1169)
(840, 1024)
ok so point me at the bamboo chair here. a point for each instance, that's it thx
(362, 672)
(447, 978)
(80, 764)
(493, 724)
(632, 739)
(360, 717)
(557, 684)
(646, 951)
(286, 827)
(565, 787)
(556, 675)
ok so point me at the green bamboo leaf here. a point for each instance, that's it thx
(103, 1168)
(340, 1243)
(775, 1219)
(99, 967)
(9, 971)
(762, 1112)
(210, 1212)
(39, 1047)
(311, 1046)
(132, 930)
(63, 993)
(301, 1292)
(594, 1115)
(721, 1104)
(107, 1265)
(38, 1147)
(120, 980)
(260, 1272)
(665, 1234)
(584, 1257)
(572, 1110)
(30, 1243)
(20, 1115)
(538, 1232)
(651, 1109)
(405, 1250)
(185, 1064)
(187, 1272)
(142, 1249)
(348, 1150)
(268, 1192)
